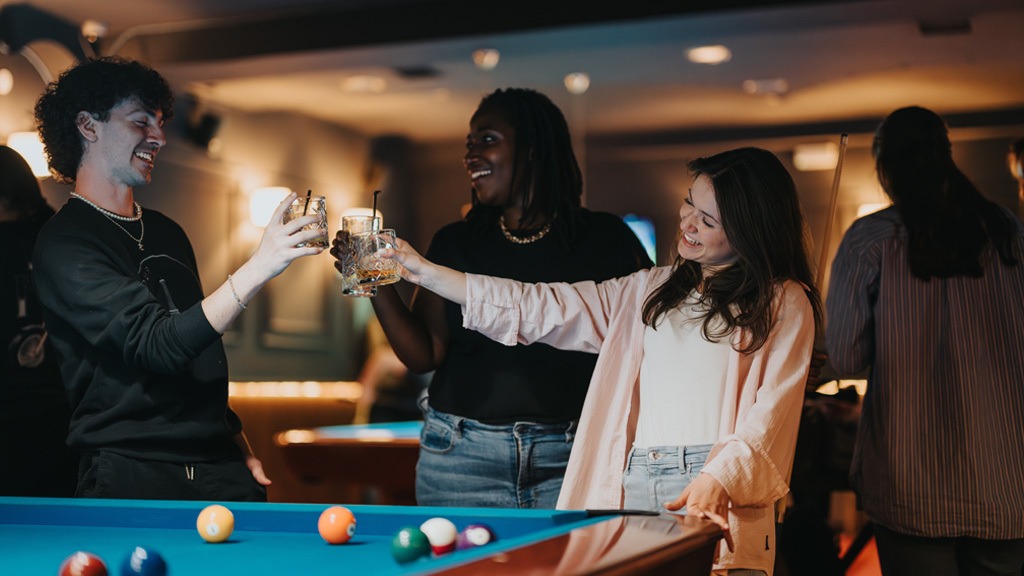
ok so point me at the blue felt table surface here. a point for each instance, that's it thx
(36, 534)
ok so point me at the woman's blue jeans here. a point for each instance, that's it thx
(465, 462)
(658, 475)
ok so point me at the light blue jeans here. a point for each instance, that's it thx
(656, 476)
(465, 462)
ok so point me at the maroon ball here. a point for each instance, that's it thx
(475, 535)
(82, 564)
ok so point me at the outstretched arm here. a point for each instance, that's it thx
(278, 248)
(418, 334)
(445, 282)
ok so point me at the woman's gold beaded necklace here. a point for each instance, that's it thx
(526, 239)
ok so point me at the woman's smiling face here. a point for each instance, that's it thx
(702, 238)
(490, 149)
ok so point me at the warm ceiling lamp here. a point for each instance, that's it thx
(577, 82)
(711, 54)
(486, 58)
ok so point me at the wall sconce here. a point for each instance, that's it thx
(360, 211)
(263, 202)
(6, 81)
(30, 147)
(808, 157)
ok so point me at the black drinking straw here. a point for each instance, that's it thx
(306, 208)
(373, 215)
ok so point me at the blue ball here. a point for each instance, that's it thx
(144, 562)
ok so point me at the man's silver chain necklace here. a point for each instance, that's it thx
(137, 217)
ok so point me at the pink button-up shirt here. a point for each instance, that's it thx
(760, 414)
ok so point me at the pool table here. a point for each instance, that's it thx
(382, 456)
(282, 539)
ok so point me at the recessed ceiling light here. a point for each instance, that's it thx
(577, 82)
(486, 58)
(769, 86)
(364, 84)
(714, 54)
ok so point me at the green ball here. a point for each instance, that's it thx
(410, 543)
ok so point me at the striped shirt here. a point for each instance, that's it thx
(940, 445)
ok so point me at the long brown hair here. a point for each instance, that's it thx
(761, 216)
(949, 222)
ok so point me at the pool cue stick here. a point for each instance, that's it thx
(827, 238)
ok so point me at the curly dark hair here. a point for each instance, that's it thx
(95, 86)
(764, 223)
(553, 173)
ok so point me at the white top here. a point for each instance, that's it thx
(682, 381)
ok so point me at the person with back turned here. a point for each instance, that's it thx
(930, 294)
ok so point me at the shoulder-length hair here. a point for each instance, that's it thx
(761, 216)
(547, 180)
(949, 222)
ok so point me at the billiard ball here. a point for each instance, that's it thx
(82, 564)
(442, 534)
(144, 562)
(215, 523)
(337, 525)
(410, 543)
(475, 535)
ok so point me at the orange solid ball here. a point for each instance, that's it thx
(337, 525)
(215, 523)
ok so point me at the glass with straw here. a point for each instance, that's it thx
(315, 205)
(356, 224)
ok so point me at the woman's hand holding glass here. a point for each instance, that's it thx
(445, 282)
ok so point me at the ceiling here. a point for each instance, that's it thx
(842, 61)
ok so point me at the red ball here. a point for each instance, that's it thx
(442, 535)
(337, 525)
(82, 564)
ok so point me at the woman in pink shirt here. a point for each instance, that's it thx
(696, 397)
